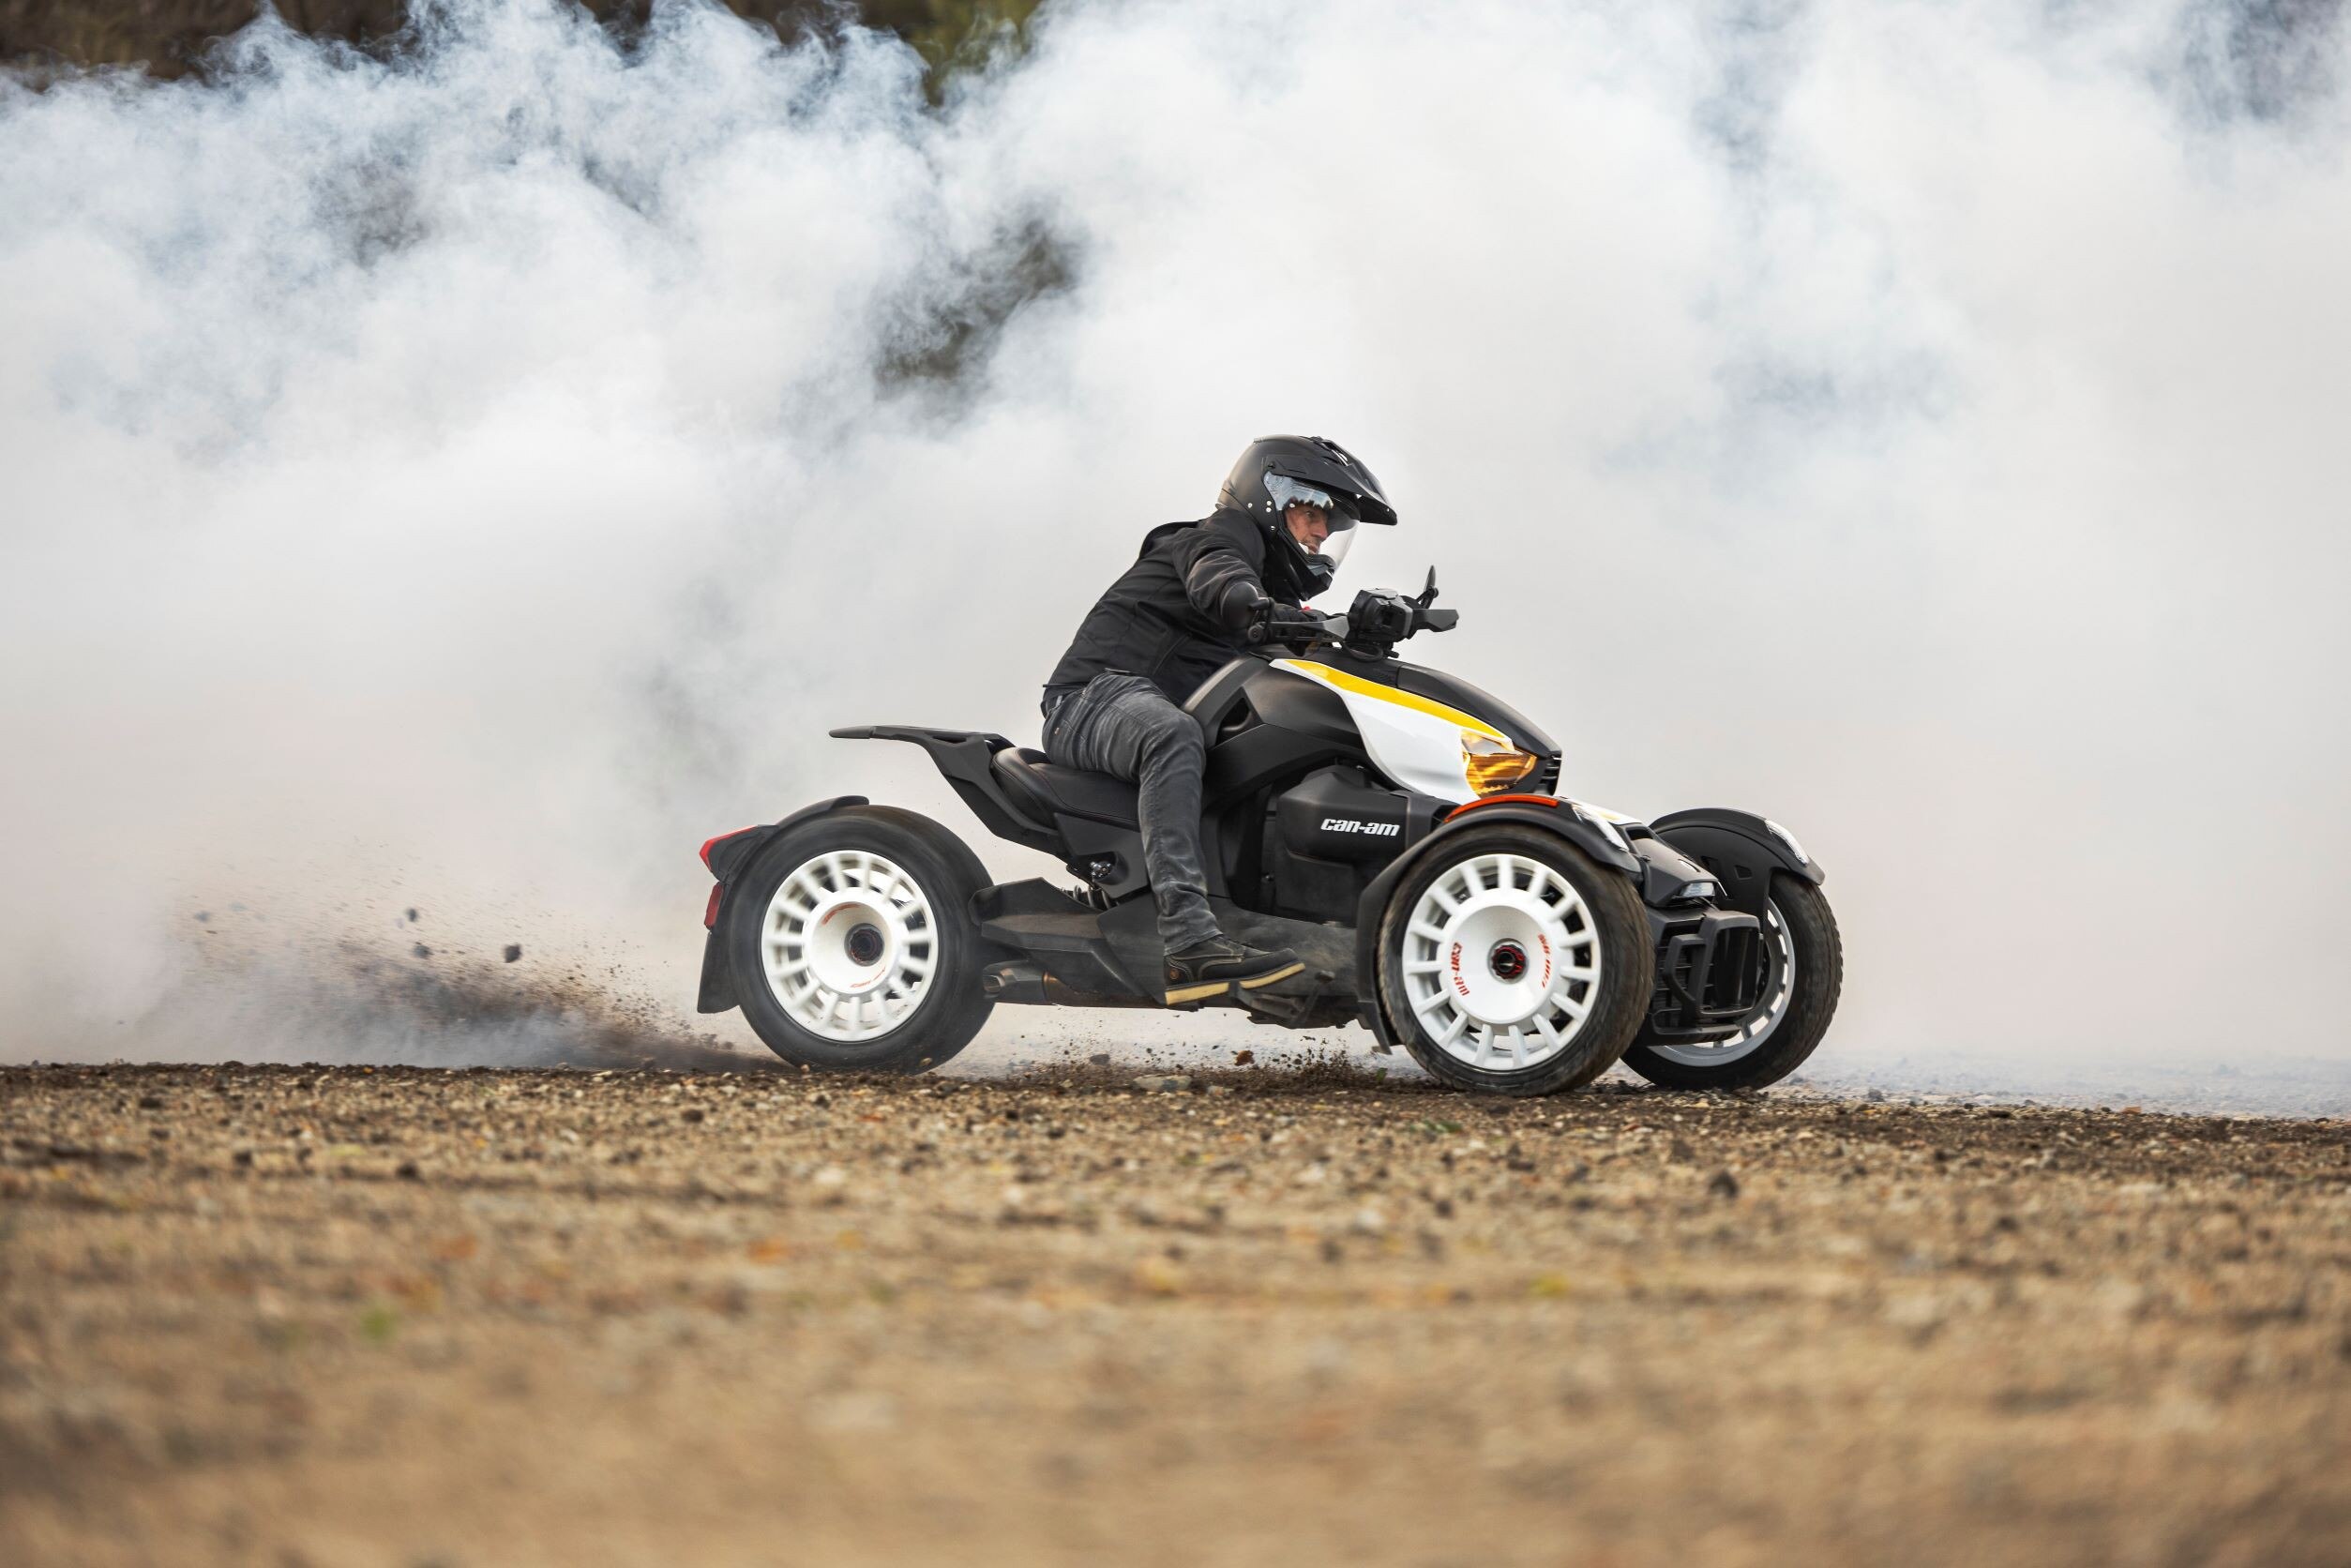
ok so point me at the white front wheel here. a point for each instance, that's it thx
(1512, 962)
(1500, 961)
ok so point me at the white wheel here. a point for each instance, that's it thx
(849, 945)
(1501, 962)
(1782, 981)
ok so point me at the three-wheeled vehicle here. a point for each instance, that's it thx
(1400, 830)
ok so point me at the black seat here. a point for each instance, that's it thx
(1045, 790)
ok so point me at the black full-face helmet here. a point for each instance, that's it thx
(1278, 472)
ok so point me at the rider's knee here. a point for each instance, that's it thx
(1177, 737)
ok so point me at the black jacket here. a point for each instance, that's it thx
(1178, 613)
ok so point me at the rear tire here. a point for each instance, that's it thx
(1513, 963)
(852, 944)
(1787, 1024)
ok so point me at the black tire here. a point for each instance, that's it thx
(1818, 956)
(1627, 968)
(949, 1011)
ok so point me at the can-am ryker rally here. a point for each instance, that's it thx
(1398, 829)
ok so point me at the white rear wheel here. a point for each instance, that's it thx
(849, 945)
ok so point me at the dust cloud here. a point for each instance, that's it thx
(469, 478)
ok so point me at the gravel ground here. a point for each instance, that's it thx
(280, 1315)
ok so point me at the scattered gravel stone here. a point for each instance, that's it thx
(1723, 1185)
(1164, 1082)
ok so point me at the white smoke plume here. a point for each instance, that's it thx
(469, 478)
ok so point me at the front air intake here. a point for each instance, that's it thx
(1710, 974)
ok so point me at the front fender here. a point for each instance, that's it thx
(727, 858)
(1740, 848)
(1559, 817)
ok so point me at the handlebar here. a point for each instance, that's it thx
(1378, 620)
(1375, 622)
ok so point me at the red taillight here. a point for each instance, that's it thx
(719, 840)
(710, 910)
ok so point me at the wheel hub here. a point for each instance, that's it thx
(849, 937)
(1499, 961)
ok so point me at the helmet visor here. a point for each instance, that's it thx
(1335, 549)
(1288, 493)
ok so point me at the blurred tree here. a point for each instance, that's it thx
(169, 37)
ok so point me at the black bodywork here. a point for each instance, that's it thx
(1708, 976)
(1738, 850)
(1305, 842)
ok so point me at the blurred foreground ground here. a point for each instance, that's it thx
(403, 1315)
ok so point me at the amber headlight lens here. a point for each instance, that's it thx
(1494, 766)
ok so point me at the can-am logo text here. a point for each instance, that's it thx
(1348, 824)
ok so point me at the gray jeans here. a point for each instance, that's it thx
(1124, 726)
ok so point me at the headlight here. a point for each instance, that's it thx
(1691, 892)
(1493, 766)
(1789, 839)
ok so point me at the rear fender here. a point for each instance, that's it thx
(728, 857)
(1557, 817)
(1742, 851)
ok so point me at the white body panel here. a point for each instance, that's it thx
(1412, 740)
(1415, 740)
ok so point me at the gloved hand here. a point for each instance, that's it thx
(1273, 620)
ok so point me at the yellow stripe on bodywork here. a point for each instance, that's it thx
(1339, 680)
